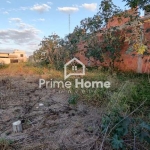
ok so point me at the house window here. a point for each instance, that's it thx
(13, 61)
(21, 55)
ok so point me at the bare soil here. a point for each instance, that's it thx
(57, 125)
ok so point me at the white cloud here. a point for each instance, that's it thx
(6, 12)
(37, 7)
(23, 34)
(75, 5)
(40, 8)
(68, 9)
(20, 24)
(23, 26)
(17, 20)
(8, 2)
(24, 8)
(91, 7)
(18, 36)
(41, 19)
(6, 49)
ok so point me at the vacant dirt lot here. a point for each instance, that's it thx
(49, 122)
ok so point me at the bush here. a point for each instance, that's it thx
(125, 132)
(2, 66)
(73, 99)
(5, 144)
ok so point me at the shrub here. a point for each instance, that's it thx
(5, 144)
(122, 130)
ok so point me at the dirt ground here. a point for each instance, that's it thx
(49, 121)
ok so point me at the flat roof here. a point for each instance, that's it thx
(4, 53)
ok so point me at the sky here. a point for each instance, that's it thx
(24, 23)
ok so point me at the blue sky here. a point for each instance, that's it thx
(24, 23)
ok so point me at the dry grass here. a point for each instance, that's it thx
(24, 69)
(79, 126)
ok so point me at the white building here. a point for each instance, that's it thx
(15, 57)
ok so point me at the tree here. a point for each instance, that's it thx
(110, 40)
(52, 51)
(136, 3)
(107, 10)
(101, 40)
(72, 41)
(37, 55)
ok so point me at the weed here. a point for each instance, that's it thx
(73, 99)
(3, 66)
(125, 128)
(5, 144)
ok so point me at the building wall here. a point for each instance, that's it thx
(18, 53)
(119, 21)
(4, 55)
(5, 60)
(8, 58)
(135, 63)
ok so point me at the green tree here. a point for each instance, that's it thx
(102, 41)
(136, 3)
(72, 41)
(52, 51)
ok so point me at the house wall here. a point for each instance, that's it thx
(4, 55)
(5, 60)
(135, 63)
(16, 55)
(118, 21)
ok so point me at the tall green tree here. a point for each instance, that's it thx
(102, 42)
(52, 51)
(136, 3)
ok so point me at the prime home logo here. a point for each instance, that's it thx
(74, 68)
